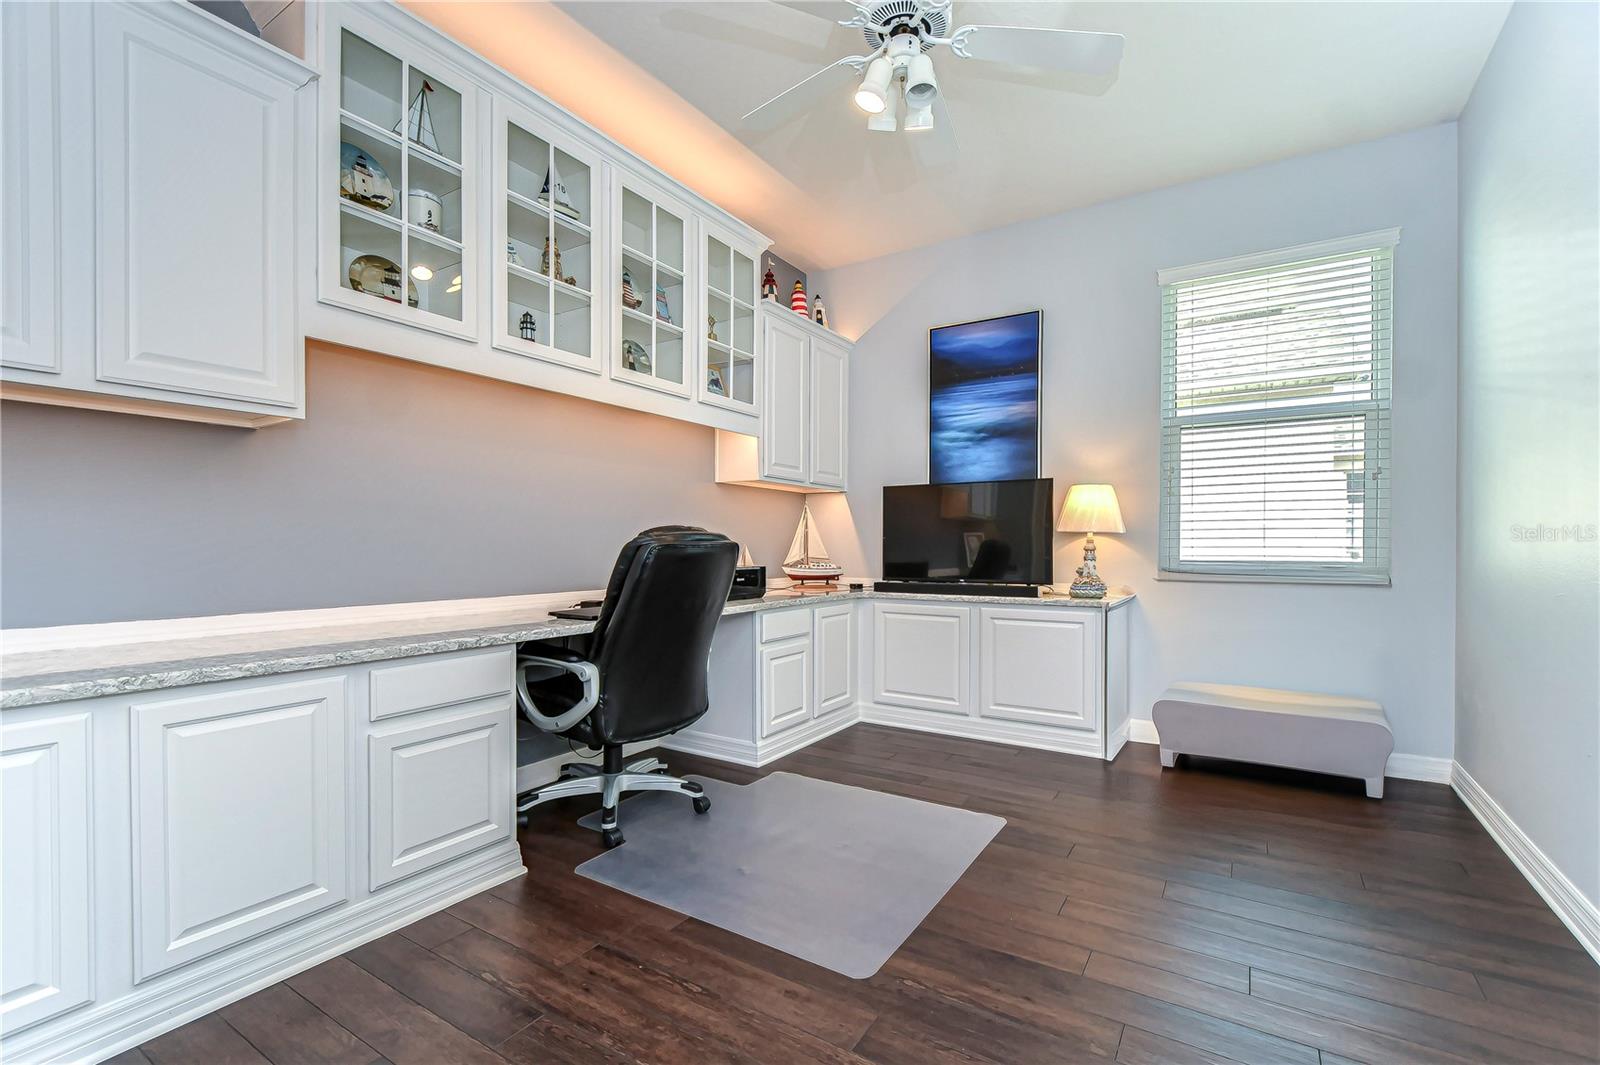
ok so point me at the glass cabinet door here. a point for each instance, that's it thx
(730, 363)
(404, 199)
(650, 276)
(545, 244)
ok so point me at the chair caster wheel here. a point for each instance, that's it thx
(611, 837)
(701, 804)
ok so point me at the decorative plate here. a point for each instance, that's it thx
(363, 179)
(377, 276)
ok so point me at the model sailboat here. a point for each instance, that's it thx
(807, 559)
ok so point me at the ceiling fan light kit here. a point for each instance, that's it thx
(902, 35)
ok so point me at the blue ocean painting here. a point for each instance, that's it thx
(983, 392)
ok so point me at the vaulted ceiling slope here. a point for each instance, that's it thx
(1204, 88)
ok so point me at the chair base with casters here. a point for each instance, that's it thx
(611, 780)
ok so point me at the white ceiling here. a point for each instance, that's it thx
(1204, 88)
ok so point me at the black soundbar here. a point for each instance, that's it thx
(1014, 591)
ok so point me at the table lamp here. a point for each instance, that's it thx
(1090, 508)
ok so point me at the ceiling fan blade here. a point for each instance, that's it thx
(937, 146)
(796, 98)
(823, 9)
(1070, 51)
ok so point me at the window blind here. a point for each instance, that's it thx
(1275, 389)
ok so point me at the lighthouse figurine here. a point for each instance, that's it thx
(769, 286)
(819, 313)
(797, 301)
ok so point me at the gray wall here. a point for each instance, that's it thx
(1528, 618)
(404, 483)
(1093, 271)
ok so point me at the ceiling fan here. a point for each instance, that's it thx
(898, 70)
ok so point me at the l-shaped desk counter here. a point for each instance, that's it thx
(196, 808)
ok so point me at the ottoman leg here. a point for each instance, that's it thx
(1375, 787)
(1169, 758)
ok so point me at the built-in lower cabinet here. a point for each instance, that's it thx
(44, 876)
(439, 788)
(238, 815)
(834, 639)
(1040, 666)
(785, 685)
(921, 656)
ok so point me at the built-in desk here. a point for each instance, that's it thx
(196, 808)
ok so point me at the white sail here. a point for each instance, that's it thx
(807, 557)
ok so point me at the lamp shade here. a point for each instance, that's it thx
(1090, 508)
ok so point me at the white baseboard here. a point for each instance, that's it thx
(974, 728)
(100, 1031)
(1401, 766)
(1580, 914)
(755, 755)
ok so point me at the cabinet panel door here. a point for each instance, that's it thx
(44, 785)
(834, 641)
(921, 656)
(195, 151)
(439, 791)
(830, 383)
(1040, 666)
(29, 168)
(783, 414)
(238, 823)
(785, 685)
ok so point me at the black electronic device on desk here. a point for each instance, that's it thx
(588, 610)
(749, 582)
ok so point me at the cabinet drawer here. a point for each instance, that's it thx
(785, 624)
(438, 791)
(440, 680)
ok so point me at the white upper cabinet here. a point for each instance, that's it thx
(546, 246)
(783, 413)
(651, 263)
(397, 188)
(29, 167)
(830, 417)
(731, 377)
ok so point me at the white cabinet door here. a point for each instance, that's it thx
(194, 217)
(44, 785)
(785, 681)
(830, 382)
(439, 790)
(921, 656)
(833, 639)
(238, 816)
(783, 415)
(29, 168)
(1040, 666)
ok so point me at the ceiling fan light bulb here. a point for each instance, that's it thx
(921, 85)
(873, 95)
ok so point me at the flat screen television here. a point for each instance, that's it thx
(990, 532)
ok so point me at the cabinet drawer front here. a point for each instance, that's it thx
(440, 680)
(239, 816)
(921, 656)
(1041, 667)
(785, 624)
(44, 800)
(438, 791)
(785, 686)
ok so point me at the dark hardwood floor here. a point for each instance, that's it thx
(1205, 914)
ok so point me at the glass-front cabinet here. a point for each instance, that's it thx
(729, 379)
(651, 264)
(399, 201)
(546, 243)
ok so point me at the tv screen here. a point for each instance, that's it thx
(992, 531)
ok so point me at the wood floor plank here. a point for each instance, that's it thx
(131, 1056)
(401, 1030)
(209, 1039)
(1208, 915)
(288, 1030)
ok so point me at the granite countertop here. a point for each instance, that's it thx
(88, 661)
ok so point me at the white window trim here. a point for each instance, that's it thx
(1258, 572)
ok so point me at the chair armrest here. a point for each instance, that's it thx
(568, 662)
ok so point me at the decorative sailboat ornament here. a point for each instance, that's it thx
(419, 120)
(554, 193)
(807, 559)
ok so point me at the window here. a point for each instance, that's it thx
(1275, 374)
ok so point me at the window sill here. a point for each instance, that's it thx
(1358, 581)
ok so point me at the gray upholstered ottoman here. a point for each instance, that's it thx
(1297, 730)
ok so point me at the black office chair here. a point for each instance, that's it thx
(643, 674)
